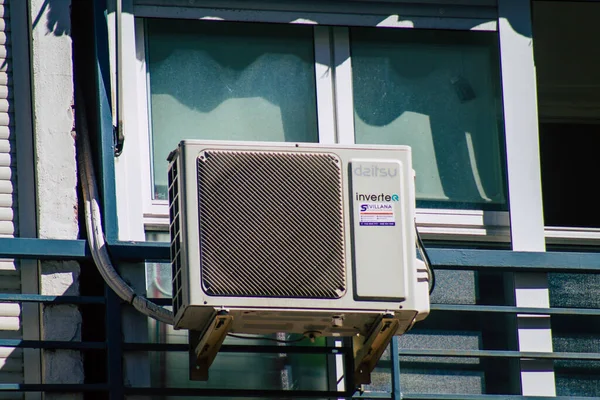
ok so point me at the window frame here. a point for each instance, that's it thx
(335, 112)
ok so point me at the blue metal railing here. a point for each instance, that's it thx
(43, 249)
(115, 348)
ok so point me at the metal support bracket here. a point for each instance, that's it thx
(205, 346)
(368, 350)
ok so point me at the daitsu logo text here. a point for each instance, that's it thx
(375, 171)
(377, 197)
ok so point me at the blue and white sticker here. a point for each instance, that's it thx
(376, 214)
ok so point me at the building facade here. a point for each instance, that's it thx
(486, 92)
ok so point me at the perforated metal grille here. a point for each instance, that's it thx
(175, 232)
(271, 224)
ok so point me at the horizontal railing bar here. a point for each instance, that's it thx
(499, 354)
(423, 396)
(78, 249)
(53, 387)
(442, 258)
(503, 260)
(480, 309)
(161, 301)
(515, 310)
(373, 395)
(233, 348)
(237, 348)
(38, 298)
(132, 251)
(43, 249)
(508, 260)
(52, 344)
(47, 344)
(247, 393)
(155, 347)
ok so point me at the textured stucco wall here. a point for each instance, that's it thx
(56, 178)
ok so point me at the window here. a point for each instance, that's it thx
(568, 101)
(436, 90)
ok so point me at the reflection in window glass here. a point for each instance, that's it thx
(438, 92)
(228, 81)
(158, 275)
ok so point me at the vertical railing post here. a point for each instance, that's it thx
(114, 343)
(395, 360)
(348, 366)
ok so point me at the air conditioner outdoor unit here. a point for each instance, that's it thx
(300, 238)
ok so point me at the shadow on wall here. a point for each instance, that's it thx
(58, 17)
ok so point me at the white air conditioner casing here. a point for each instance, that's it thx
(294, 237)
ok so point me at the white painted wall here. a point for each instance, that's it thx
(56, 179)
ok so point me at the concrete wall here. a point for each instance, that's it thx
(56, 179)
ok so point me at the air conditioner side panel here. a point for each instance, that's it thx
(191, 232)
(178, 245)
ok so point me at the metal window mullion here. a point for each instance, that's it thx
(344, 99)
(324, 84)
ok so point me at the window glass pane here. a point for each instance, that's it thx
(158, 275)
(228, 81)
(437, 91)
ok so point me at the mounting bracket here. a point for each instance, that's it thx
(204, 346)
(368, 349)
